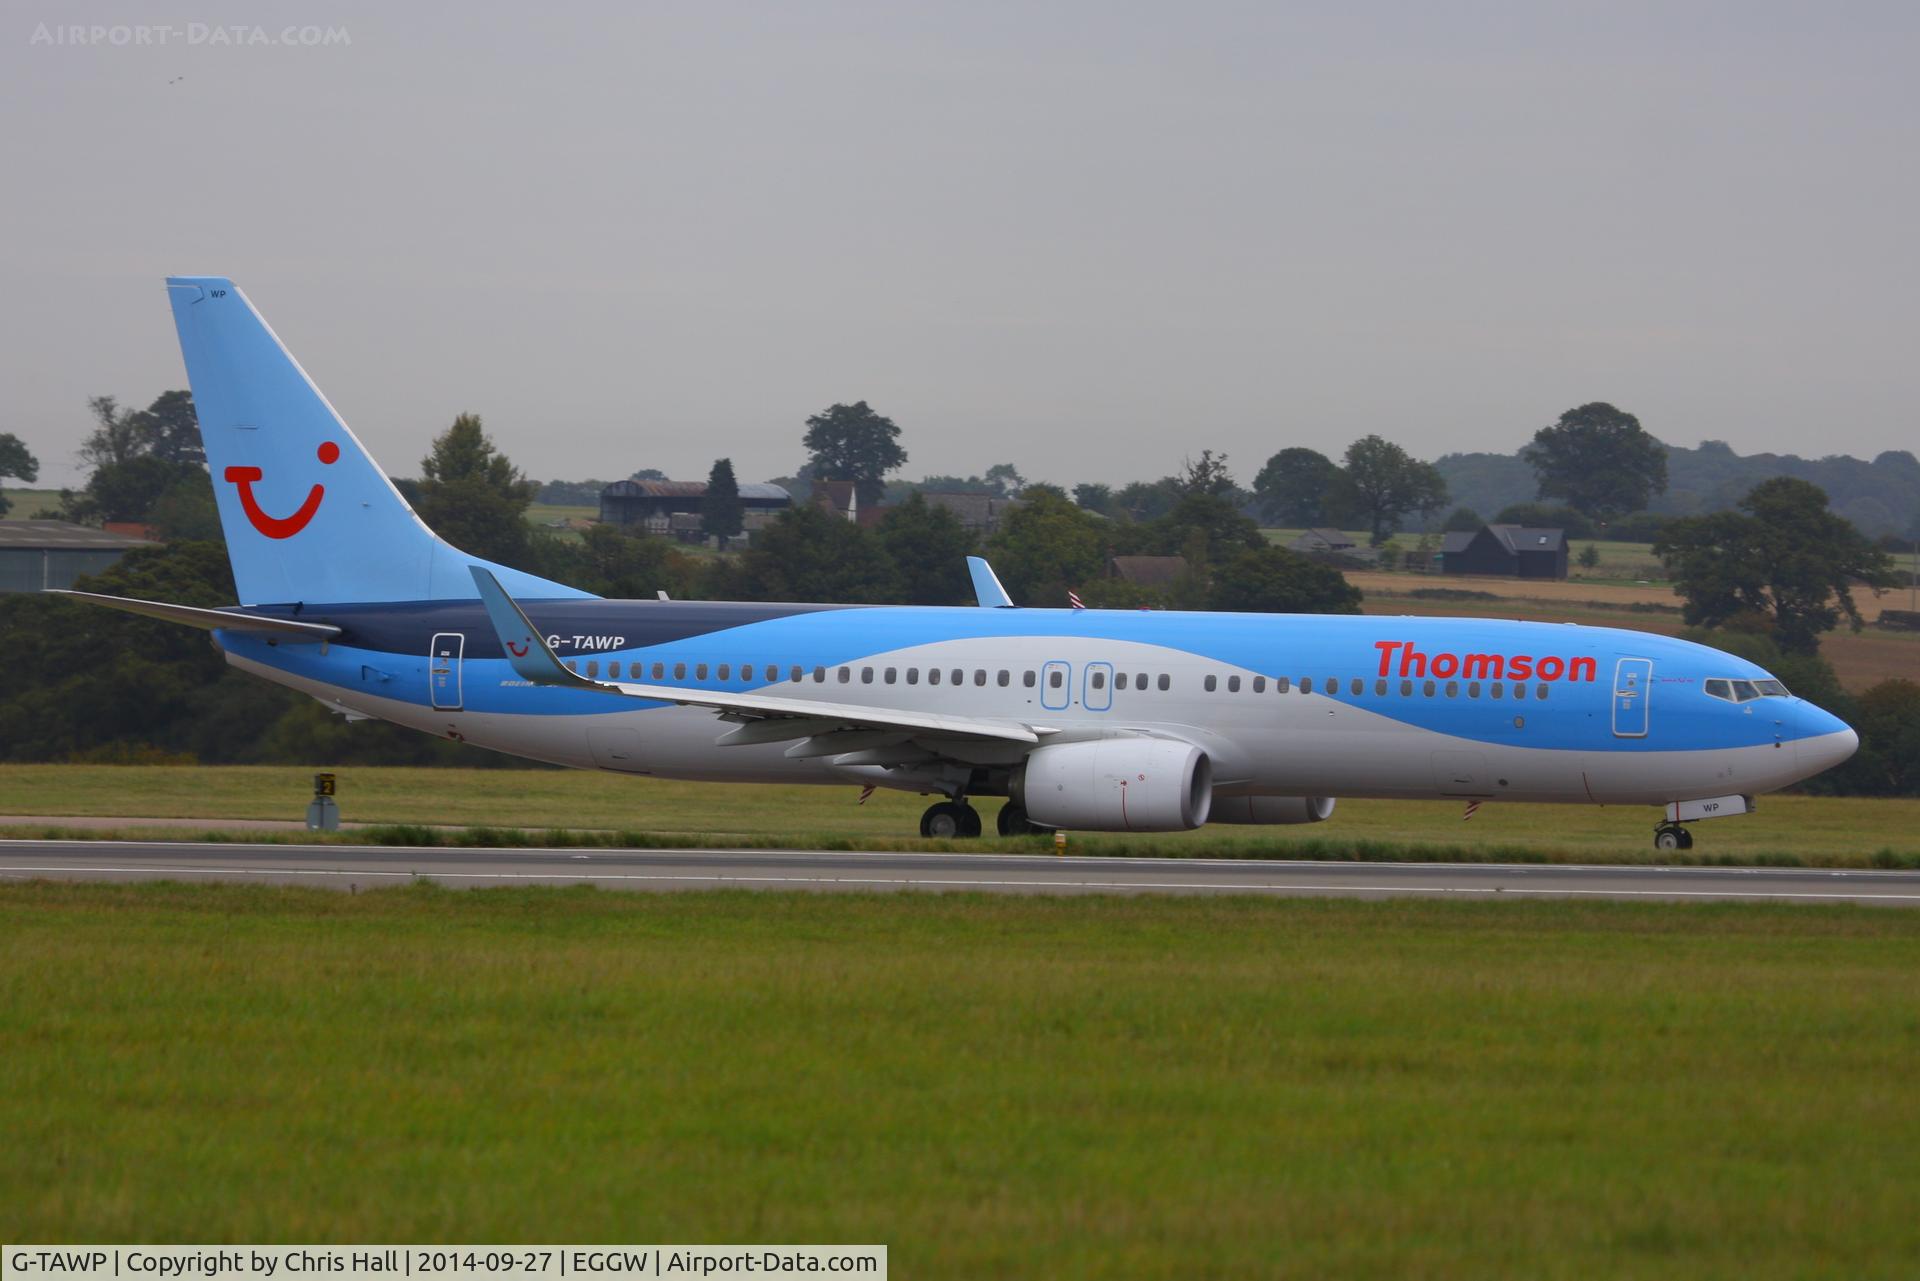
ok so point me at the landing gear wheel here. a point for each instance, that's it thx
(950, 820)
(1686, 839)
(1669, 837)
(1013, 821)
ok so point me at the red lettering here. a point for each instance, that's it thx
(1386, 649)
(1520, 667)
(1551, 668)
(1445, 665)
(1581, 669)
(1412, 661)
(1482, 667)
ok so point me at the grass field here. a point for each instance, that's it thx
(993, 1087)
(27, 504)
(1808, 829)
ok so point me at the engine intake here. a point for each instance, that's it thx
(1118, 785)
(1273, 810)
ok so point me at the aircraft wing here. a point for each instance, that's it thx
(209, 619)
(533, 659)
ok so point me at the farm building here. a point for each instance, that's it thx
(1512, 551)
(39, 554)
(652, 504)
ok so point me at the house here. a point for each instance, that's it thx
(652, 504)
(1322, 541)
(39, 554)
(1147, 571)
(1511, 551)
(840, 497)
(979, 513)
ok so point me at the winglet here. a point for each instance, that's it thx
(986, 586)
(526, 648)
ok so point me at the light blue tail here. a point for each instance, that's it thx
(309, 516)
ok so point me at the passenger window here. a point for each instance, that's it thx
(1540, 691)
(819, 675)
(1306, 684)
(795, 672)
(959, 677)
(1027, 679)
(593, 667)
(1406, 689)
(659, 670)
(1333, 685)
(613, 671)
(1233, 684)
(1259, 684)
(1428, 689)
(1211, 683)
(1453, 689)
(893, 674)
(699, 671)
(980, 676)
(1495, 689)
(725, 669)
(933, 676)
(1055, 679)
(1356, 687)
(1139, 680)
(913, 676)
(1281, 684)
(846, 674)
(1380, 687)
(1473, 689)
(1006, 677)
(866, 676)
(679, 671)
(1099, 680)
(1120, 680)
(1166, 681)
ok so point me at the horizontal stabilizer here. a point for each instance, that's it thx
(210, 619)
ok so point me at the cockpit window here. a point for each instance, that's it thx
(1733, 691)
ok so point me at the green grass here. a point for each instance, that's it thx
(544, 513)
(993, 1086)
(27, 504)
(1788, 829)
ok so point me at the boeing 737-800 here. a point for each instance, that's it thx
(1084, 719)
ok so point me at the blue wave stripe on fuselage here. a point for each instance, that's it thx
(391, 641)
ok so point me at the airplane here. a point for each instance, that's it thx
(1083, 719)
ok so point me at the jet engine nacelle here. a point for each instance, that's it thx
(1271, 809)
(1118, 785)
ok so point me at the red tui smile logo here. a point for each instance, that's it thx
(518, 651)
(242, 478)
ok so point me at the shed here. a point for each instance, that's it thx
(36, 555)
(1511, 551)
(651, 504)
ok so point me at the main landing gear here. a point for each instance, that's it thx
(1669, 837)
(950, 820)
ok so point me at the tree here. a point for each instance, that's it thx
(1275, 580)
(1295, 486)
(1386, 483)
(721, 515)
(851, 442)
(1094, 498)
(1590, 556)
(138, 455)
(1599, 459)
(1046, 546)
(929, 548)
(1783, 560)
(473, 496)
(1206, 474)
(810, 555)
(1463, 520)
(1005, 479)
(17, 462)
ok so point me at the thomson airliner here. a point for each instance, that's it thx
(1094, 720)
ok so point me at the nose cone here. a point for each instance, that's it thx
(1826, 740)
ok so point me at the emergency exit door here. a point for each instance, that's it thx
(443, 670)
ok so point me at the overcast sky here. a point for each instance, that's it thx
(1084, 238)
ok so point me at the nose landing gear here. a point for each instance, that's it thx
(1669, 837)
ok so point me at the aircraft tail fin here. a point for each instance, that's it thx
(308, 514)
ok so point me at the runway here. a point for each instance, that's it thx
(361, 867)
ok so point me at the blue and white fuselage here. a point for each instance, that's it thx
(1084, 718)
